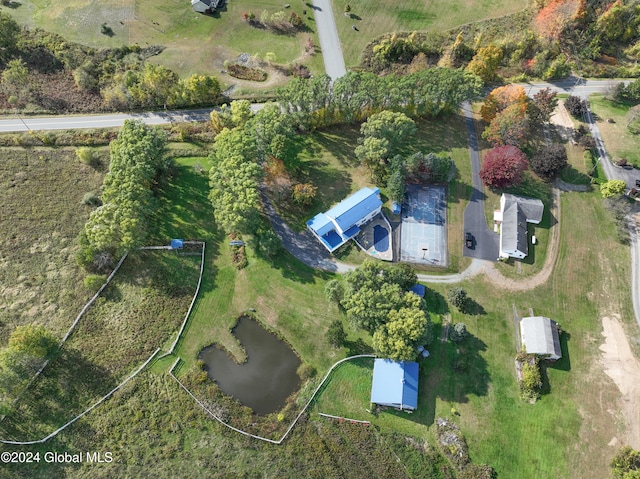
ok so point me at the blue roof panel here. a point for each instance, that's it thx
(321, 224)
(333, 240)
(395, 383)
(352, 209)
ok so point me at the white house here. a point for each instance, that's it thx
(204, 6)
(342, 222)
(540, 336)
(514, 214)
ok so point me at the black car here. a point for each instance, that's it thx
(468, 240)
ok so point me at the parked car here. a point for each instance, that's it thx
(468, 240)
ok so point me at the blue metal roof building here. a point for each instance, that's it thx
(395, 384)
(341, 223)
(418, 289)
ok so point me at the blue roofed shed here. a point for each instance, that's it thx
(177, 243)
(341, 223)
(395, 384)
(418, 289)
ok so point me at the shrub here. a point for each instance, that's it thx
(87, 156)
(93, 282)
(336, 336)
(458, 332)
(306, 371)
(458, 298)
(91, 199)
(304, 193)
(106, 30)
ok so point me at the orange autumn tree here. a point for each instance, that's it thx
(552, 19)
(500, 98)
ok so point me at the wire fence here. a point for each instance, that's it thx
(193, 301)
(302, 411)
(73, 326)
(96, 404)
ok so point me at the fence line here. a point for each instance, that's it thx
(284, 436)
(73, 326)
(341, 418)
(193, 300)
(100, 401)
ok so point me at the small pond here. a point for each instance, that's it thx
(266, 379)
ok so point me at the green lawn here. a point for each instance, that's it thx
(618, 140)
(374, 18)
(194, 43)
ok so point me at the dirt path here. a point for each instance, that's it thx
(623, 368)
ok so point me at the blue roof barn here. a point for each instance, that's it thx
(395, 384)
(342, 222)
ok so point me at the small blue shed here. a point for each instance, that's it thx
(395, 384)
(177, 244)
(418, 289)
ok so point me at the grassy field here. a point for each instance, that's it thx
(558, 436)
(619, 141)
(40, 219)
(194, 43)
(375, 18)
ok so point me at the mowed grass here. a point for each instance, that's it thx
(374, 18)
(41, 192)
(619, 141)
(565, 434)
(288, 297)
(194, 43)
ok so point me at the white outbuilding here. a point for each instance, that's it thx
(540, 336)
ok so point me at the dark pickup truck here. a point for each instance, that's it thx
(468, 240)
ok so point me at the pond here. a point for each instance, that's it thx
(266, 379)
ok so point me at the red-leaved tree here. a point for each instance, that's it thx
(553, 19)
(503, 167)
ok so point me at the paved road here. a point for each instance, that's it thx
(573, 85)
(329, 40)
(111, 120)
(486, 242)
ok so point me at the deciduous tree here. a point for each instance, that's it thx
(485, 62)
(576, 106)
(509, 127)
(549, 161)
(553, 19)
(503, 167)
(612, 188)
(398, 338)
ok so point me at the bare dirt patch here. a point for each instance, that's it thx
(623, 368)
(563, 122)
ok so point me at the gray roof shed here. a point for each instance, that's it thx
(540, 336)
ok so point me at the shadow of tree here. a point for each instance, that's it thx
(358, 347)
(69, 385)
(451, 373)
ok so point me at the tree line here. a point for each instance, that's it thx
(317, 102)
